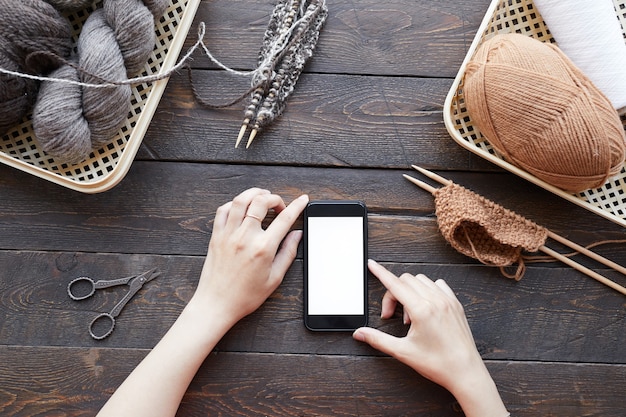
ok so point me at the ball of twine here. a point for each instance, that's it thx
(115, 42)
(27, 28)
(542, 114)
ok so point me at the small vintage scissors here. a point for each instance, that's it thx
(135, 282)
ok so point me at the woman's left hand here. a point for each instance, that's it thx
(246, 263)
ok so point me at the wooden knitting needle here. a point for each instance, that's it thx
(583, 269)
(242, 131)
(587, 252)
(552, 235)
(543, 248)
(420, 184)
(252, 136)
(432, 175)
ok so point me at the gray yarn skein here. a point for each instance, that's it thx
(70, 5)
(27, 28)
(115, 42)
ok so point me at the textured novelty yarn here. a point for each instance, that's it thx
(289, 42)
(484, 230)
(542, 114)
(115, 42)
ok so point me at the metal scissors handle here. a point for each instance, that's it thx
(135, 282)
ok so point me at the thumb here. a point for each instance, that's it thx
(377, 339)
(285, 255)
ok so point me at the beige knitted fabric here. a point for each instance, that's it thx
(542, 114)
(483, 230)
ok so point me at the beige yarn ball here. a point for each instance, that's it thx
(542, 114)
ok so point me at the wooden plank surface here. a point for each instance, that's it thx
(571, 318)
(428, 38)
(392, 122)
(369, 105)
(75, 382)
(152, 212)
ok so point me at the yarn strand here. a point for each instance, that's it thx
(288, 43)
(108, 83)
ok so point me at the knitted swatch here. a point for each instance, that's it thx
(290, 65)
(542, 114)
(484, 230)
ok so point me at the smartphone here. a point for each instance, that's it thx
(335, 265)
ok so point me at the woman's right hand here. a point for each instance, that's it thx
(439, 344)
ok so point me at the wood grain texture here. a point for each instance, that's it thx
(167, 208)
(368, 105)
(374, 84)
(76, 382)
(400, 37)
(562, 314)
(392, 122)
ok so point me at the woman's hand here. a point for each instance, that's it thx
(246, 263)
(439, 344)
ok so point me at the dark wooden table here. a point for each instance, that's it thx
(369, 105)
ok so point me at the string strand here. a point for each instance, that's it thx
(113, 83)
(107, 83)
(288, 43)
(258, 77)
(519, 271)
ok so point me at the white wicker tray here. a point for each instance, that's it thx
(108, 165)
(521, 16)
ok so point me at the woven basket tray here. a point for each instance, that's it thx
(108, 165)
(521, 16)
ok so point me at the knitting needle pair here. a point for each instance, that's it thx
(242, 132)
(542, 248)
(288, 43)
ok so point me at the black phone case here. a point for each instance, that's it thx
(335, 208)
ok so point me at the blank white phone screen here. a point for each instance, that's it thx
(336, 266)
